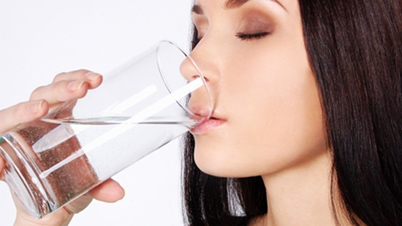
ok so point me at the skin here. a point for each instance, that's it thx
(65, 86)
(268, 104)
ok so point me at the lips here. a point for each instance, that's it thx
(206, 118)
(208, 125)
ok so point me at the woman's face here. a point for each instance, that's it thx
(267, 114)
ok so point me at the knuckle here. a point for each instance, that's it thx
(57, 90)
(36, 92)
(82, 72)
(59, 76)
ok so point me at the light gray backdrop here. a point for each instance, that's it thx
(39, 39)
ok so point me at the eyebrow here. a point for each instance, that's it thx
(230, 4)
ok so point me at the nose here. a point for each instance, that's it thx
(201, 102)
(202, 61)
(190, 70)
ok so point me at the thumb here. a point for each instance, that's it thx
(79, 204)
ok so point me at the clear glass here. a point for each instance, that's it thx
(140, 107)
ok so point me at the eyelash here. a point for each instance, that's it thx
(248, 37)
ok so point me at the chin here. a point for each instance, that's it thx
(211, 162)
(218, 164)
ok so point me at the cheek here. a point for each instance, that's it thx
(274, 121)
(286, 129)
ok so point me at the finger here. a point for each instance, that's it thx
(61, 91)
(22, 112)
(65, 112)
(93, 79)
(79, 204)
(108, 191)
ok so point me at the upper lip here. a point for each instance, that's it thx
(217, 116)
(202, 117)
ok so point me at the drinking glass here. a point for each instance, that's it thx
(141, 106)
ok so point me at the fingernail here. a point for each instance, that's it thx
(92, 76)
(75, 85)
(35, 107)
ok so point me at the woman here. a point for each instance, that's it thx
(309, 97)
(307, 126)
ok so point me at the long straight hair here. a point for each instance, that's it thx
(354, 49)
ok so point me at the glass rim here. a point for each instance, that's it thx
(200, 74)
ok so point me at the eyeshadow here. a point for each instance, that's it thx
(256, 22)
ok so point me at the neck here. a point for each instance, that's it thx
(300, 195)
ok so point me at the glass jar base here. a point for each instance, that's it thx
(22, 180)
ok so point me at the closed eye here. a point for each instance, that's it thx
(242, 36)
(255, 36)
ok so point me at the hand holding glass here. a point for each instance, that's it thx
(140, 107)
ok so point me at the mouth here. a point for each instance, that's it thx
(207, 125)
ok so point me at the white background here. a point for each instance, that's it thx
(39, 39)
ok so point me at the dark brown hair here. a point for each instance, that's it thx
(354, 49)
